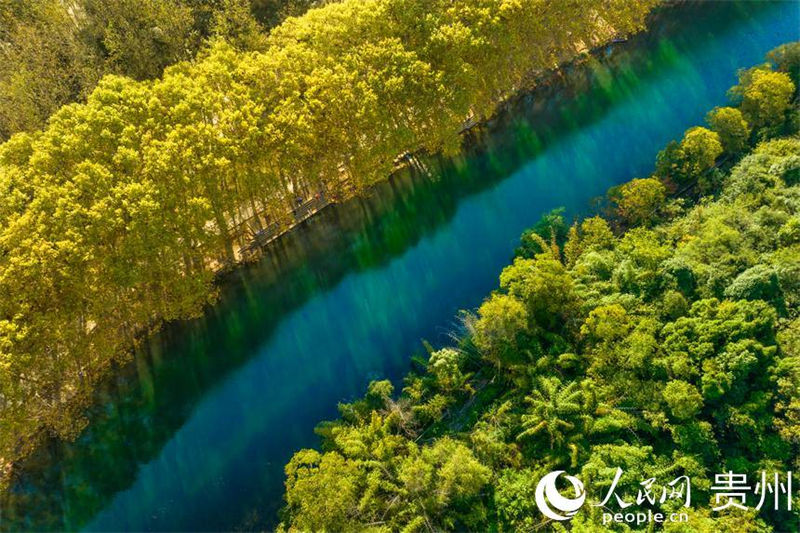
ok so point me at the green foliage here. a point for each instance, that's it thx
(545, 287)
(118, 214)
(786, 58)
(445, 366)
(732, 128)
(55, 52)
(556, 411)
(788, 387)
(667, 350)
(639, 201)
(549, 230)
(683, 399)
(596, 233)
(233, 22)
(606, 323)
(502, 322)
(373, 478)
(759, 282)
(766, 97)
(695, 154)
(514, 499)
(324, 490)
(701, 148)
(138, 38)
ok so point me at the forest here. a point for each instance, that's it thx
(125, 190)
(55, 52)
(662, 337)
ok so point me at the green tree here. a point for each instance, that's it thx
(556, 410)
(683, 399)
(502, 322)
(786, 58)
(766, 97)
(696, 153)
(322, 491)
(44, 64)
(445, 365)
(606, 323)
(234, 22)
(595, 232)
(732, 128)
(700, 148)
(140, 38)
(639, 201)
(686, 363)
(546, 288)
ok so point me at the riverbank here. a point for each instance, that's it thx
(286, 253)
(307, 327)
(645, 350)
(136, 249)
(541, 85)
(538, 85)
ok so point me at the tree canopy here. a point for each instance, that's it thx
(117, 215)
(663, 339)
(54, 52)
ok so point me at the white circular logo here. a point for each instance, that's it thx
(549, 500)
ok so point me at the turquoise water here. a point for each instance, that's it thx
(193, 435)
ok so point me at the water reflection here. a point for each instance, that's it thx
(195, 432)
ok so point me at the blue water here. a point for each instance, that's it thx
(197, 435)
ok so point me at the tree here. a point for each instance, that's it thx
(659, 382)
(140, 38)
(786, 58)
(606, 323)
(322, 491)
(444, 364)
(235, 24)
(56, 52)
(555, 410)
(639, 201)
(515, 499)
(116, 216)
(573, 247)
(502, 321)
(551, 227)
(788, 373)
(700, 148)
(44, 64)
(696, 153)
(669, 163)
(732, 128)
(683, 399)
(444, 483)
(546, 287)
(759, 282)
(595, 232)
(766, 96)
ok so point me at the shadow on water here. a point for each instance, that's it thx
(146, 415)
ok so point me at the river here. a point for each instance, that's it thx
(194, 433)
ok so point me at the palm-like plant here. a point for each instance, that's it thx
(556, 409)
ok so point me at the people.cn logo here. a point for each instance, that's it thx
(550, 501)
